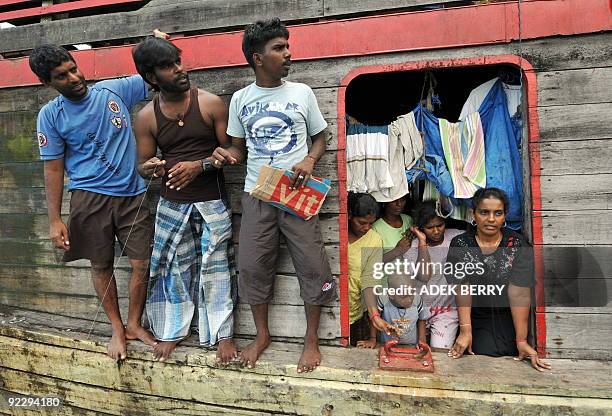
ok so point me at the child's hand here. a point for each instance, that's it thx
(370, 343)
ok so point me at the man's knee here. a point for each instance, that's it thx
(101, 270)
(140, 267)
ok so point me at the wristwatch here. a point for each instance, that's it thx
(207, 165)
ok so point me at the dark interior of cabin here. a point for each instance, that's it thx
(381, 98)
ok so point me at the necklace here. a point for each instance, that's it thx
(495, 245)
(180, 117)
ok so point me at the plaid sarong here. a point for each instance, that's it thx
(192, 276)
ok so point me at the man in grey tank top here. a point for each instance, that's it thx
(192, 277)
(273, 118)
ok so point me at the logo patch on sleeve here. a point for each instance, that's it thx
(117, 121)
(113, 106)
(42, 139)
(326, 286)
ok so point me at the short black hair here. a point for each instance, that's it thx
(154, 52)
(256, 36)
(360, 205)
(495, 193)
(425, 212)
(45, 58)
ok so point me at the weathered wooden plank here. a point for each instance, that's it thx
(339, 7)
(568, 227)
(285, 321)
(578, 295)
(192, 15)
(43, 253)
(36, 227)
(580, 86)
(579, 354)
(576, 192)
(569, 378)
(112, 402)
(587, 51)
(18, 136)
(77, 282)
(579, 331)
(289, 393)
(19, 99)
(32, 200)
(577, 157)
(544, 54)
(575, 122)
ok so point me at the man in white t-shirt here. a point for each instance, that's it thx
(273, 119)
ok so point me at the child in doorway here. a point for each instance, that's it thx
(393, 228)
(443, 322)
(405, 311)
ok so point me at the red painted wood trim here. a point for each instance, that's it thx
(9, 2)
(343, 218)
(530, 81)
(444, 28)
(60, 8)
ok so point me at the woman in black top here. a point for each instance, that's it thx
(495, 322)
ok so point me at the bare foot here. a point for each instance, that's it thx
(311, 356)
(251, 353)
(138, 332)
(369, 343)
(163, 349)
(116, 346)
(226, 351)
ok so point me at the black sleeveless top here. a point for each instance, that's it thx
(195, 140)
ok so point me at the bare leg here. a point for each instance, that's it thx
(106, 288)
(251, 353)
(311, 356)
(138, 293)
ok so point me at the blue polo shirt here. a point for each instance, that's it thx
(94, 137)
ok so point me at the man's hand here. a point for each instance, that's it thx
(301, 173)
(221, 157)
(153, 167)
(183, 173)
(58, 232)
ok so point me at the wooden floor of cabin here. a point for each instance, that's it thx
(50, 355)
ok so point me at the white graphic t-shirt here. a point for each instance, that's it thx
(275, 122)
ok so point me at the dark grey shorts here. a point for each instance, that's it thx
(95, 219)
(260, 231)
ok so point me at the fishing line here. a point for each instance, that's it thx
(144, 196)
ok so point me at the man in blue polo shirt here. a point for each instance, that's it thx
(87, 132)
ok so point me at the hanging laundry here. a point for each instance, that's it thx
(461, 210)
(433, 165)
(464, 152)
(478, 94)
(367, 158)
(502, 154)
(405, 148)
